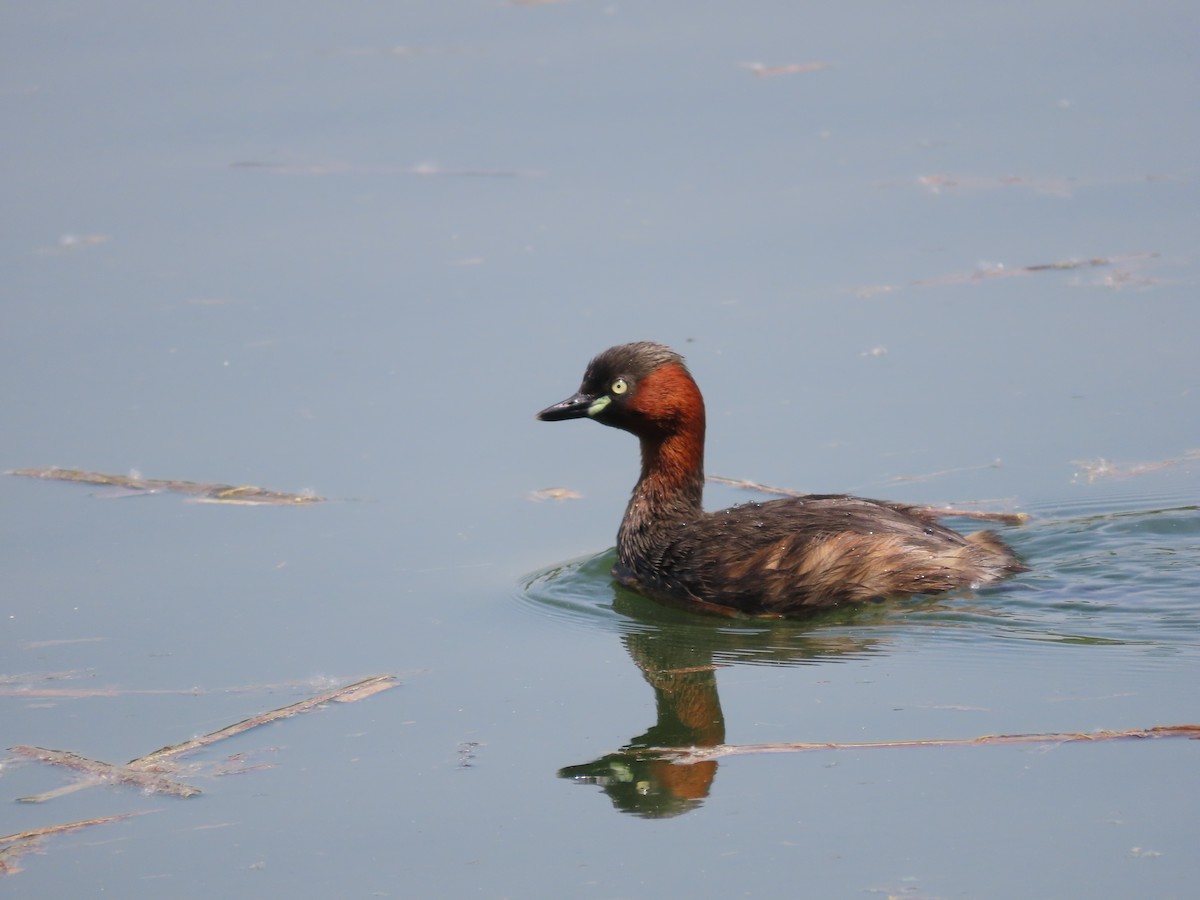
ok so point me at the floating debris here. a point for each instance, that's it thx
(34, 685)
(689, 755)
(151, 782)
(57, 642)
(397, 52)
(988, 271)
(874, 290)
(957, 512)
(58, 693)
(999, 270)
(152, 771)
(743, 484)
(196, 491)
(71, 242)
(1103, 468)
(760, 70)
(554, 493)
(422, 169)
(1140, 853)
(467, 754)
(936, 184)
(898, 479)
(13, 846)
(1118, 279)
(350, 693)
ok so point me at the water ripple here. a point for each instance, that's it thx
(1122, 573)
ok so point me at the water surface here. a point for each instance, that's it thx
(353, 251)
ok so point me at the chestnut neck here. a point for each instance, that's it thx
(672, 480)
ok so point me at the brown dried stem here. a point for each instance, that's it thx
(246, 495)
(689, 755)
(102, 771)
(347, 694)
(68, 826)
(145, 771)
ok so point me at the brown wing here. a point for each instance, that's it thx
(824, 551)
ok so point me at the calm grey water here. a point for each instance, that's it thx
(353, 249)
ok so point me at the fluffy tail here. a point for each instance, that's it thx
(995, 558)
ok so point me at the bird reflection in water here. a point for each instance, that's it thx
(679, 654)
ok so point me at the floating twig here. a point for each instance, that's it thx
(31, 677)
(554, 493)
(950, 512)
(66, 693)
(14, 846)
(61, 791)
(102, 771)
(25, 685)
(399, 51)
(898, 479)
(360, 690)
(58, 642)
(71, 242)
(202, 492)
(1000, 271)
(991, 272)
(743, 484)
(423, 170)
(759, 70)
(935, 184)
(689, 755)
(146, 771)
(1103, 468)
(69, 826)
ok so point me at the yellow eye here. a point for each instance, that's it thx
(620, 386)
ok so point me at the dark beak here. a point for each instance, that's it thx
(575, 407)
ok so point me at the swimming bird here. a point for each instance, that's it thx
(776, 558)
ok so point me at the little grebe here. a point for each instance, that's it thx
(783, 557)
